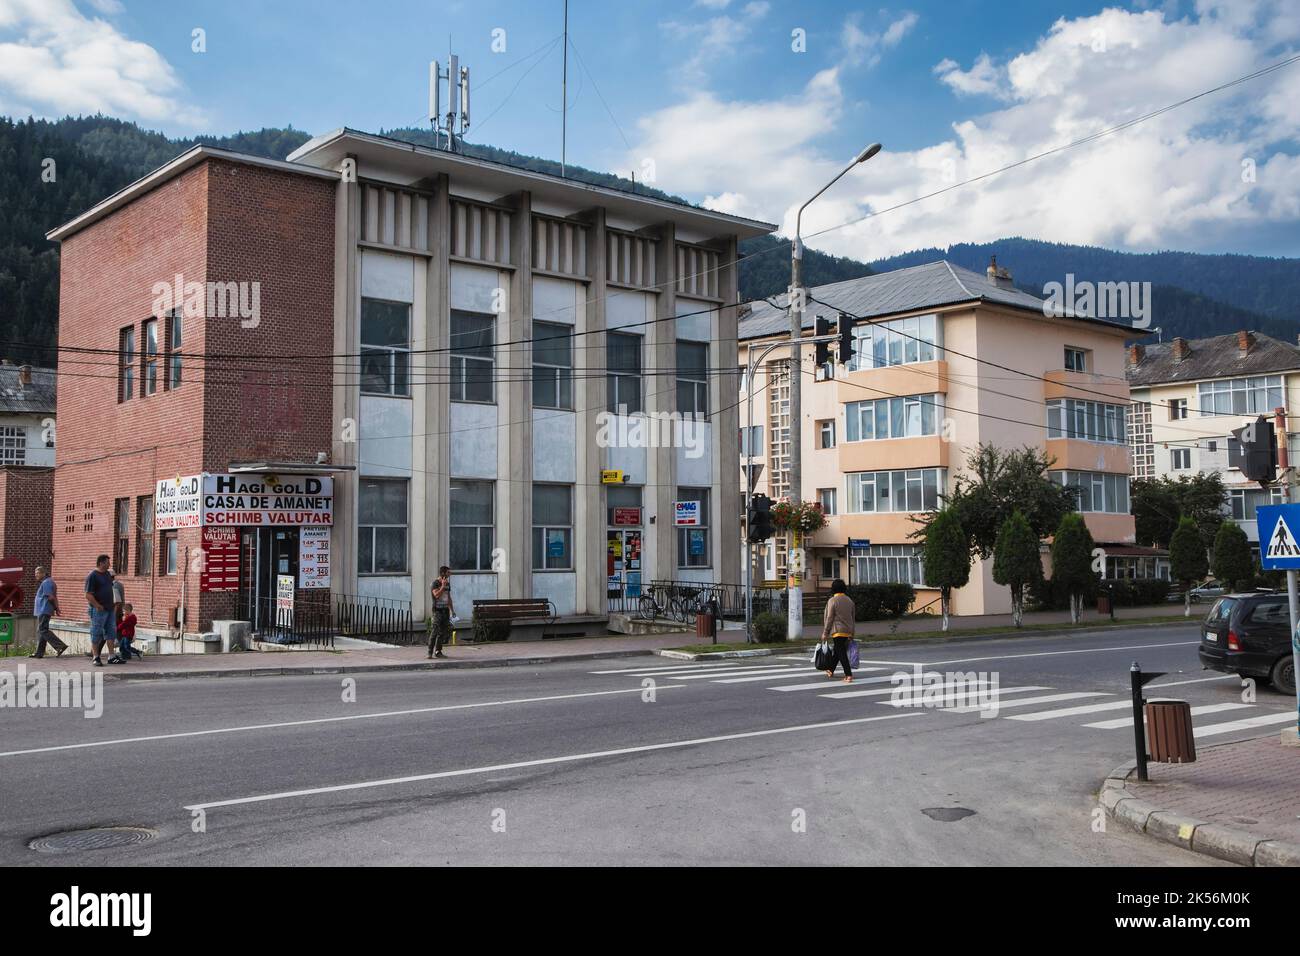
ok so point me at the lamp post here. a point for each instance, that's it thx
(794, 627)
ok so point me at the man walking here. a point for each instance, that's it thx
(99, 598)
(47, 604)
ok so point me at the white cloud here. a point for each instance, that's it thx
(55, 60)
(719, 39)
(863, 47)
(1173, 181)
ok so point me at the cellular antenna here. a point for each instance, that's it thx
(455, 121)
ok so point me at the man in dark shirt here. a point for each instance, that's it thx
(99, 596)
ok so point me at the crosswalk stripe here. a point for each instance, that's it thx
(957, 693)
(826, 682)
(1028, 701)
(1246, 723)
(1074, 711)
(674, 667)
(713, 675)
(799, 672)
(1128, 721)
(919, 693)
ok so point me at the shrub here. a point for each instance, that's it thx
(769, 628)
(879, 602)
(488, 631)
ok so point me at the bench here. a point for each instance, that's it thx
(515, 610)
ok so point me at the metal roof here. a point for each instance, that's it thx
(35, 398)
(1215, 357)
(890, 293)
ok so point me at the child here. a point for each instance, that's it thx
(125, 637)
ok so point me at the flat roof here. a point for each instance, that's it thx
(330, 149)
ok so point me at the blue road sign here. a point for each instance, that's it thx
(1279, 549)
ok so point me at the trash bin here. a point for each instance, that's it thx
(704, 624)
(1169, 731)
(1103, 603)
(6, 629)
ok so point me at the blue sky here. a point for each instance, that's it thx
(709, 98)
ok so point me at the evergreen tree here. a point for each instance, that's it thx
(1016, 561)
(1233, 564)
(946, 557)
(1187, 561)
(1072, 561)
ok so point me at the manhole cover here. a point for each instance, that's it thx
(95, 838)
(947, 814)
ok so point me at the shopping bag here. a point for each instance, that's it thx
(823, 657)
(853, 653)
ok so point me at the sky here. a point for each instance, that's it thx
(750, 106)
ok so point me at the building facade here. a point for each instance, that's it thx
(1190, 394)
(422, 359)
(885, 436)
(27, 442)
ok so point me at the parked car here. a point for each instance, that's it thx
(1250, 635)
(1208, 591)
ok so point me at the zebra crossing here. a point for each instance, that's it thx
(1026, 703)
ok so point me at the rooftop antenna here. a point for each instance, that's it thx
(564, 94)
(455, 122)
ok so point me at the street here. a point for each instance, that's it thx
(635, 761)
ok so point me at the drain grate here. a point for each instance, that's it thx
(947, 814)
(93, 838)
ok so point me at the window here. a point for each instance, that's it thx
(1212, 447)
(1177, 409)
(1257, 395)
(830, 567)
(552, 365)
(1097, 492)
(826, 433)
(473, 365)
(900, 342)
(888, 564)
(621, 496)
(13, 444)
(470, 522)
(552, 527)
(1180, 459)
(623, 364)
(882, 491)
(144, 535)
(385, 347)
(693, 540)
(169, 552)
(826, 497)
(1087, 421)
(174, 342)
(149, 380)
(751, 441)
(1076, 360)
(1242, 502)
(381, 526)
(122, 530)
(906, 417)
(125, 365)
(693, 378)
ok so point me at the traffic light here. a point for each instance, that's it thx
(760, 518)
(846, 337)
(1255, 451)
(822, 327)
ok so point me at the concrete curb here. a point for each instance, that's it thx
(1209, 839)
(306, 671)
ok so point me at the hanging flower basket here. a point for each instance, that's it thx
(806, 517)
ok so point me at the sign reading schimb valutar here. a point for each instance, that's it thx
(257, 500)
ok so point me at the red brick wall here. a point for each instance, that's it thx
(217, 221)
(25, 504)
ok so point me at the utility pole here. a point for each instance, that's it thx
(564, 94)
(1292, 596)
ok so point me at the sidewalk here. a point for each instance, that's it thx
(1237, 802)
(353, 660)
(1030, 622)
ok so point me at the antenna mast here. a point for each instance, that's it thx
(455, 122)
(564, 94)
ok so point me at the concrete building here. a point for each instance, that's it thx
(884, 437)
(398, 357)
(1189, 394)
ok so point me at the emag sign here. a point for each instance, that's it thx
(263, 500)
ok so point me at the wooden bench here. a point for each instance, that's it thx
(515, 610)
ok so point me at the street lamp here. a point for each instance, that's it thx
(794, 626)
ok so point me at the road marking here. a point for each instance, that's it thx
(1081, 650)
(1029, 701)
(664, 670)
(324, 720)
(826, 682)
(540, 762)
(1199, 680)
(1206, 709)
(920, 691)
(1247, 723)
(1074, 711)
(800, 672)
(767, 671)
(961, 693)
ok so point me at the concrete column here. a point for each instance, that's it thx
(726, 418)
(589, 399)
(661, 396)
(347, 393)
(431, 447)
(515, 407)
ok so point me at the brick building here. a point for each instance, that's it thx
(371, 385)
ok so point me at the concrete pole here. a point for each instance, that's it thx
(794, 623)
(1293, 598)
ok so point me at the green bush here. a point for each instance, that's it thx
(487, 631)
(1126, 592)
(879, 602)
(769, 628)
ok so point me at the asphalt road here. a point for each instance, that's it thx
(587, 763)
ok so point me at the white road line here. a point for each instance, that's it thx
(1199, 680)
(800, 672)
(826, 683)
(959, 693)
(323, 720)
(1247, 723)
(675, 667)
(1029, 702)
(920, 692)
(540, 762)
(1074, 711)
(767, 671)
(1012, 657)
(1206, 709)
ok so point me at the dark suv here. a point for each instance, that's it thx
(1250, 635)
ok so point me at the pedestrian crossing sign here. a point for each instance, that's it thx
(1278, 547)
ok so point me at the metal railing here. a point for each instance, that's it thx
(317, 619)
(683, 601)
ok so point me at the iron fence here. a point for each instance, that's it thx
(684, 600)
(316, 620)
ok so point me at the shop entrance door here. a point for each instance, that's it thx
(264, 555)
(623, 567)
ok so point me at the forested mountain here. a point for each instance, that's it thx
(94, 156)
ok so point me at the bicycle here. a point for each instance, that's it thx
(660, 601)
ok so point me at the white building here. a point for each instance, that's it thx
(26, 416)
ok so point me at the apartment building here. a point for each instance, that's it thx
(885, 436)
(416, 358)
(1189, 394)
